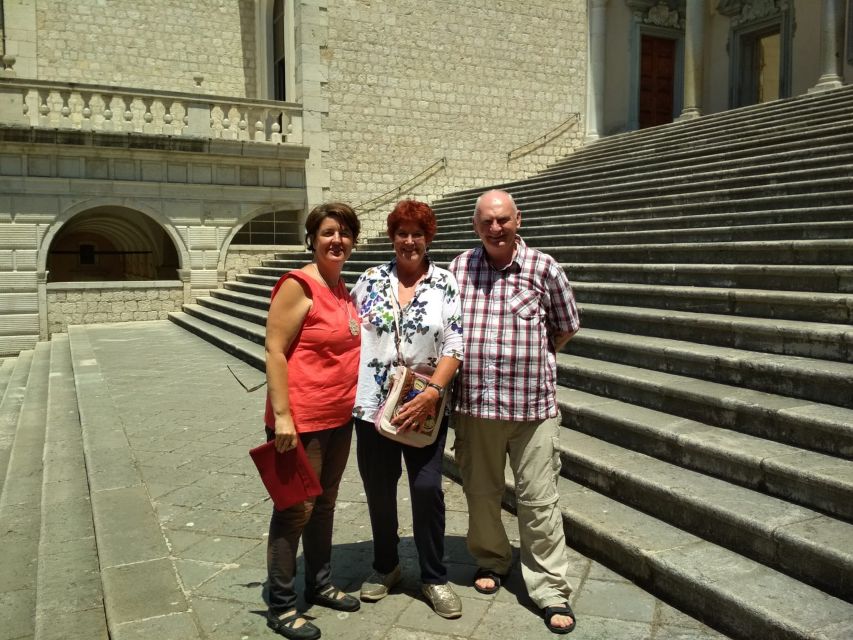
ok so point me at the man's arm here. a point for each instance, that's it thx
(561, 339)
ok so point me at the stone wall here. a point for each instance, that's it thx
(410, 82)
(149, 43)
(92, 303)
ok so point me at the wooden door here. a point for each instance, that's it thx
(657, 80)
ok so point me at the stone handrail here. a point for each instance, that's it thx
(91, 107)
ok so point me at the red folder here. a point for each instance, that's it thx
(288, 476)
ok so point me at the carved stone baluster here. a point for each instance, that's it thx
(128, 113)
(227, 132)
(244, 125)
(168, 119)
(44, 107)
(275, 136)
(109, 123)
(294, 128)
(148, 125)
(86, 124)
(260, 126)
(65, 110)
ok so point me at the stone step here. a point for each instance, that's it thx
(20, 502)
(818, 278)
(820, 381)
(771, 252)
(247, 329)
(242, 297)
(10, 408)
(137, 576)
(787, 305)
(730, 125)
(763, 335)
(723, 195)
(809, 546)
(238, 286)
(701, 578)
(807, 478)
(646, 175)
(567, 225)
(805, 424)
(7, 366)
(824, 135)
(67, 551)
(647, 211)
(796, 278)
(249, 313)
(247, 350)
(550, 236)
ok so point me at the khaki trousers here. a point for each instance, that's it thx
(481, 450)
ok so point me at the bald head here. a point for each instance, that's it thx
(496, 222)
(495, 197)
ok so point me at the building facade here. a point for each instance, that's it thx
(149, 150)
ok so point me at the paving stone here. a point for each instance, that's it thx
(620, 600)
(241, 584)
(142, 590)
(179, 626)
(222, 549)
(12, 603)
(88, 624)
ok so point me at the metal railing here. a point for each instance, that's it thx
(544, 139)
(427, 173)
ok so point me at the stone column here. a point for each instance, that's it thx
(595, 68)
(694, 49)
(41, 294)
(831, 41)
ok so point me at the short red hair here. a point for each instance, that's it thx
(414, 212)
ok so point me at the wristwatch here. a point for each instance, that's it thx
(438, 388)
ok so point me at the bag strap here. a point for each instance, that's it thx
(398, 330)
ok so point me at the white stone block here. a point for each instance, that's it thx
(202, 238)
(15, 324)
(19, 236)
(203, 279)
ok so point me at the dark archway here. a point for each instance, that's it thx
(111, 243)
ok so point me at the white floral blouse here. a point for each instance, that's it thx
(431, 327)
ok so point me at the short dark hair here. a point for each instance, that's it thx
(341, 212)
(415, 212)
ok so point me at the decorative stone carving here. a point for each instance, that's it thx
(746, 11)
(662, 16)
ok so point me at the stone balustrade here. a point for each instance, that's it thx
(90, 107)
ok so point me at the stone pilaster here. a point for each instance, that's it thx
(694, 45)
(831, 42)
(596, 68)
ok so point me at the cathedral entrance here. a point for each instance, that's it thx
(759, 67)
(657, 80)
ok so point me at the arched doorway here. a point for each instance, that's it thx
(110, 243)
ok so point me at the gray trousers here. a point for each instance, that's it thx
(482, 447)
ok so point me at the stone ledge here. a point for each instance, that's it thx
(114, 284)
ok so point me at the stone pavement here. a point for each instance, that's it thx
(189, 420)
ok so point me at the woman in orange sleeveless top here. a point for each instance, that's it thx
(312, 354)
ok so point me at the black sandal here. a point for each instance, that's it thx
(284, 627)
(488, 574)
(330, 597)
(560, 610)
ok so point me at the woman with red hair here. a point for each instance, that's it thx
(410, 313)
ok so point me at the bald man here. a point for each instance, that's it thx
(518, 311)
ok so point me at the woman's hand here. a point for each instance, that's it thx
(285, 434)
(415, 412)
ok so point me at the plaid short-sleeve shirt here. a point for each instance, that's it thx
(510, 315)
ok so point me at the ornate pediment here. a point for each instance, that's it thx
(746, 11)
(661, 13)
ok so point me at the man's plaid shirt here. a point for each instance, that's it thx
(508, 318)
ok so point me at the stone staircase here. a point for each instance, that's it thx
(708, 399)
(50, 584)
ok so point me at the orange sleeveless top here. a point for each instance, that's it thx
(322, 362)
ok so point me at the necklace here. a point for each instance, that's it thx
(338, 296)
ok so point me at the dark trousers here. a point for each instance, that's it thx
(379, 462)
(327, 452)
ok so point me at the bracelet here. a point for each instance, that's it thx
(438, 388)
